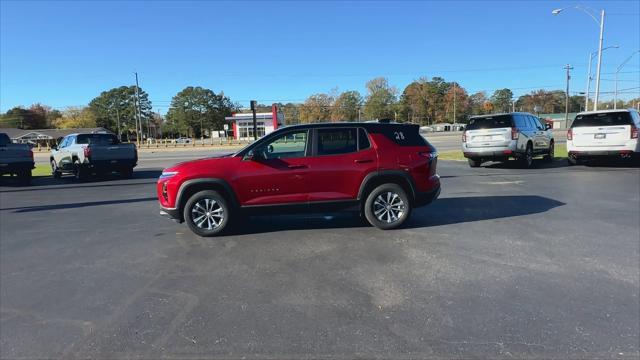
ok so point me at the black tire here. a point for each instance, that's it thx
(474, 163)
(79, 172)
(551, 154)
(24, 176)
(55, 171)
(386, 202)
(196, 209)
(127, 173)
(572, 161)
(526, 159)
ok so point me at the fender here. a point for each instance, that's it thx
(212, 181)
(376, 174)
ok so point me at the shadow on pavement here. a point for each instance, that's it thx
(27, 209)
(67, 182)
(443, 211)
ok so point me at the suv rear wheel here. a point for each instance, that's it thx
(206, 213)
(387, 207)
(474, 162)
(550, 155)
(526, 160)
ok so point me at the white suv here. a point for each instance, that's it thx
(612, 133)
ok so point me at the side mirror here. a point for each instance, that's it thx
(54, 147)
(547, 126)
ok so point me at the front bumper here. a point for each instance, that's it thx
(171, 213)
(427, 197)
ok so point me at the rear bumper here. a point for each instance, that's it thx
(104, 165)
(427, 197)
(489, 151)
(602, 153)
(7, 168)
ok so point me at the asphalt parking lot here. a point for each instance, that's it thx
(538, 263)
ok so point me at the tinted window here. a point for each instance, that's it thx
(98, 139)
(603, 119)
(4, 139)
(289, 145)
(490, 122)
(363, 140)
(403, 135)
(536, 123)
(336, 141)
(65, 142)
(521, 122)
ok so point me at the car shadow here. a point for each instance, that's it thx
(445, 211)
(49, 182)
(28, 209)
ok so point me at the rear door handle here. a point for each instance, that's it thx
(297, 166)
(363, 161)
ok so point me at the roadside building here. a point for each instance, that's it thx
(44, 137)
(242, 123)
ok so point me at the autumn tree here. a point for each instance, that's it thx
(346, 106)
(316, 108)
(477, 102)
(501, 100)
(380, 100)
(76, 117)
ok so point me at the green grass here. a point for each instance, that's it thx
(41, 170)
(560, 153)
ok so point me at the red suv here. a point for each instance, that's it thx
(382, 170)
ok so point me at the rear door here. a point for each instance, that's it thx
(62, 156)
(342, 157)
(489, 131)
(540, 138)
(602, 129)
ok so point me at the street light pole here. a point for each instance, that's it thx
(566, 101)
(601, 25)
(595, 103)
(591, 55)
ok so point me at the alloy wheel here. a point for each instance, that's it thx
(207, 214)
(388, 207)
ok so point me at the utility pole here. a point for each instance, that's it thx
(118, 118)
(254, 104)
(566, 102)
(138, 112)
(454, 103)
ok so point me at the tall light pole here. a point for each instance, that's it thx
(601, 25)
(566, 101)
(615, 93)
(593, 53)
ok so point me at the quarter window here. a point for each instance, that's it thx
(363, 139)
(337, 141)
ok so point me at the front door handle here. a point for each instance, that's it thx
(297, 166)
(363, 161)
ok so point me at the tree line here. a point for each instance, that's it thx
(197, 110)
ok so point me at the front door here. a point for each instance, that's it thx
(276, 173)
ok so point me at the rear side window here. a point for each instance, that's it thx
(521, 122)
(4, 139)
(603, 119)
(490, 122)
(337, 141)
(363, 140)
(403, 135)
(98, 139)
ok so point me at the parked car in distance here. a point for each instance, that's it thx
(182, 140)
(500, 137)
(382, 170)
(606, 133)
(86, 154)
(15, 159)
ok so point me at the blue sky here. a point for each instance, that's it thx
(65, 53)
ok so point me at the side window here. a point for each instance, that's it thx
(536, 123)
(337, 141)
(521, 121)
(363, 139)
(289, 145)
(64, 141)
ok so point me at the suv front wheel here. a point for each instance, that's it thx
(387, 207)
(206, 213)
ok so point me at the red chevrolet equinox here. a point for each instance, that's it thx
(382, 170)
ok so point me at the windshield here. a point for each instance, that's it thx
(98, 139)
(603, 119)
(490, 122)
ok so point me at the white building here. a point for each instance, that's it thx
(267, 122)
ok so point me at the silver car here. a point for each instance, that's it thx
(500, 137)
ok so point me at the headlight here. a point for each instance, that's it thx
(167, 174)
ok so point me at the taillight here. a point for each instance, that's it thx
(514, 134)
(464, 136)
(634, 132)
(87, 152)
(570, 134)
(427, 154)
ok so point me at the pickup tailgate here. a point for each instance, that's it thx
(114, 153)
(14, 153)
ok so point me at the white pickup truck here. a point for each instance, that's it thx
(15, 159)
(96, 153)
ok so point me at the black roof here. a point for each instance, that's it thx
(371, 126)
